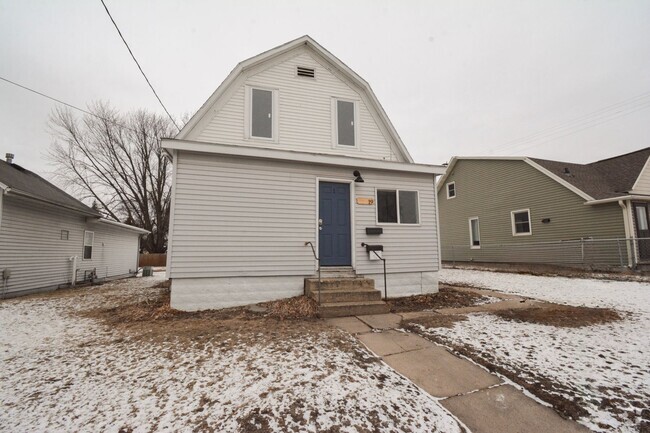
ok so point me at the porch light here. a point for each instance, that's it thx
(357, 176)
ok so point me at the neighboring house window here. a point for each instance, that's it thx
(641, 218)
(345, 123)
(261, 113)
(451, 190)
(521, 222)
(65, 235)
(474, 233)
(398, 207)
(89, 239)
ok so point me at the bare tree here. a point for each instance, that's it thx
(115, 161)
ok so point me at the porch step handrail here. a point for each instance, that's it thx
(313, 250)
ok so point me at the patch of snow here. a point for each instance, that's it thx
(61, 372)
(596, 364)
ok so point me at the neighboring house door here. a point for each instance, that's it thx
(641, 218)
(334, 219)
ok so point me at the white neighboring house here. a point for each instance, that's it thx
(49, 240)
(270, 162)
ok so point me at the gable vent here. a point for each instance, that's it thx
(306, 72)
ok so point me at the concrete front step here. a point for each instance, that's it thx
(311, 284)
(357, 295)
(337, 272)
(343, 309)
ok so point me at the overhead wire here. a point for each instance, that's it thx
(139, 67)
(580, 123)
(67, 104)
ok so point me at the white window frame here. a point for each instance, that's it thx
(447, 187)
(397, 204)
(248, 118)
(335, 125)
(471, 236)
(92, 246)
(512, 222)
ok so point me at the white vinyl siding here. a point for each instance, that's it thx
(32, 248)
(246, 217)
(642, 184)
(304, 116)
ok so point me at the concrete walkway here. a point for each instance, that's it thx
(481, 400)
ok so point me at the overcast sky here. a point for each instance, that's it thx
(566, 80)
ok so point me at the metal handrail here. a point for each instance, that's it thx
(363, 244)
(313, 250)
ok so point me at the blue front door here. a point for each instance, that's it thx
(334, 213)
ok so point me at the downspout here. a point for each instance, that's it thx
(439, 240)
(628, 233)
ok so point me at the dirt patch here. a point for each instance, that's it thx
(561, 315)
(447, 297)
(300, 307)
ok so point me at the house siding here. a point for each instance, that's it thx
(305, 111)
(238, 216)
(32, 249)
(491, 189)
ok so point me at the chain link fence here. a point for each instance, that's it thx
(585, 252)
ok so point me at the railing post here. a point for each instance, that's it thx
(582, 250)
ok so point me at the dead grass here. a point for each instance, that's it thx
(434, 321)
(565, 316)
(447, 297)
(297, 308)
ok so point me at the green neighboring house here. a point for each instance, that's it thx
(529, 210)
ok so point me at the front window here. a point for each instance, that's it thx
(89, 239)
(261, 113)
(398, 207)
(474, 233)
(521, 222)
(345, 123)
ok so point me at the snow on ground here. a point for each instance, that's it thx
(606, 366)
(62, 372)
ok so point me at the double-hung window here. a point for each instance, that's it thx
(521, 222)
(345, 123)
(474, 233)
(261, 113)
(398, 207)
(89, 239)
(451, 190)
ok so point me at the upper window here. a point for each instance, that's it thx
(474, 233)
(451, 190)
(521, 222)
(345, 123)
(89, 239)
(261, 113)
(398, 207)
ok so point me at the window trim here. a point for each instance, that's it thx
(397, 190)
(471, 236)
(248, 118)
(512, 222)
(335, 125)
(92, 246)
(447, 187)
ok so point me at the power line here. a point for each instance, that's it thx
(66, 104)
(138, 64)
(600, 116)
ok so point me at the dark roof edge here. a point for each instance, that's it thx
(14, 191)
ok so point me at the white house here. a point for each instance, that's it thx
(294, 147)
(49, 239)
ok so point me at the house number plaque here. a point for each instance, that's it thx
(365, 200)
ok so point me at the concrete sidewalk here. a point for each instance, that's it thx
(481, 400)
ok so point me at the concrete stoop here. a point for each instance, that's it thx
(346, 296)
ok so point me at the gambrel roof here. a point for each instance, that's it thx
(324, 55)
(605, 180)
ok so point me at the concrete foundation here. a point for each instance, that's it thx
(407, 283)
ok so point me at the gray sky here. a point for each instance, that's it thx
(455, 77)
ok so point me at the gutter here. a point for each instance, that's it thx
(618, 199)
(628, 233)
(121, 225)
(304, 157)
